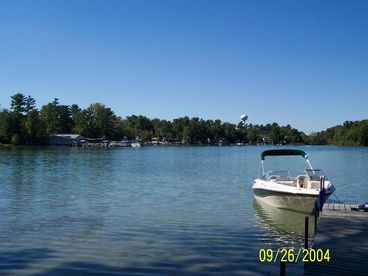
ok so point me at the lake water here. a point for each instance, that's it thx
(154, 210)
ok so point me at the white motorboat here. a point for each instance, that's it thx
(280, 189)
(135, 144)
(122, 143)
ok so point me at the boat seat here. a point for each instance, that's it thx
(302, 181)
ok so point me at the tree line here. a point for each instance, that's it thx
(350, 133)
(24, 124)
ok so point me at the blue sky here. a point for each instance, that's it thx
(303, 63)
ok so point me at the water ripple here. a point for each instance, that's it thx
(149, 211)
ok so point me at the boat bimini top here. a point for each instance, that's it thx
(283, 152)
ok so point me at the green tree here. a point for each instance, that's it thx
(363, 133)
(78, 120)
(162, 128)
(30, 104)
(18, 103)
(9, 124)
(100, 121)
(65, 121)
(49, 116)
(317, 138)
(275, 134)
(56, 118)
(32, 125)
(121, 129)
(185, 137)
(253, 136)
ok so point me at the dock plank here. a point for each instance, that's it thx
(344, 233)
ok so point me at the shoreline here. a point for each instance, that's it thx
(178, 145)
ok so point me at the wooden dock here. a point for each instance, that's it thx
(345, 233)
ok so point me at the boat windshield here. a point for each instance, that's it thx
(315, 174)
(279, 175)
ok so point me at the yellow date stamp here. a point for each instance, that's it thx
(291, 255)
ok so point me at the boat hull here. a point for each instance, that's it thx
(298, 203)
(289, 197)
(301, 203)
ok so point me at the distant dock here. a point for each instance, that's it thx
(345, 233)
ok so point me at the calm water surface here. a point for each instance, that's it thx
(154, 210)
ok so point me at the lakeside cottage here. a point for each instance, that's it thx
(65, 140)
